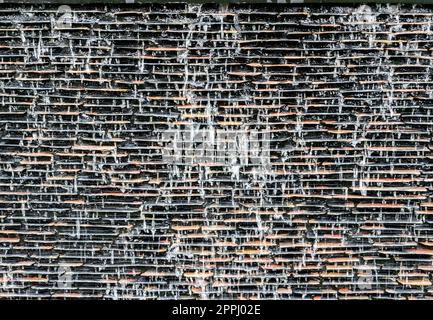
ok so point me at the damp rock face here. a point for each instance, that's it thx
(239, 151)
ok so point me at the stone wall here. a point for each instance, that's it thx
(216, 151)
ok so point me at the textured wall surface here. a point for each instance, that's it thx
(240, 151)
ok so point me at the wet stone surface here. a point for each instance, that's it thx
(235, 151)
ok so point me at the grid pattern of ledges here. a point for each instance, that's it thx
(91, 207)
